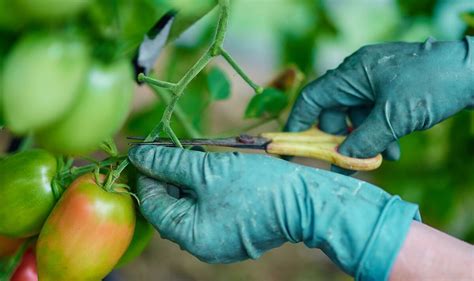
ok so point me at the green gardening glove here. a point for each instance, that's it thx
(388, 91)
(237, 206)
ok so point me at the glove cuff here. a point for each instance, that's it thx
(387, 239)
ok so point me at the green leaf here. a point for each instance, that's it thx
(271, 102)
(219, 85)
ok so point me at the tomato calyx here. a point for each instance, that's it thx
(110, 183)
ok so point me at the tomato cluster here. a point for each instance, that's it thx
(82, 236)
(53, 87)
(66, 81)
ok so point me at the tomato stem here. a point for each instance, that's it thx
(77, 171)
(178, 91)
(114, 175)
(215, 49)
(152, 81)
(258, 89)
(109, 147)
(221, 28)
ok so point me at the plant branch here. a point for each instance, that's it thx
(155, 82)
(221, 28)
(77, 171)
(258, 89)
(214, 50)
(177, 89)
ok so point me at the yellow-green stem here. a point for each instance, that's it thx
(258, 89)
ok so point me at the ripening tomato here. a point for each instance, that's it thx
(87, 232)
(9, 245)
(41, 76)
(50, 10)
(99, 111)
(26, 271)
(26, 194)
(141, 239)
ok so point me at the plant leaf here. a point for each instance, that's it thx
(218, 84)
(271, 102)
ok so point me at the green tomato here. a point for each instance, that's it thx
(26, 193)
(141, 239)
(50, 10)
(100, 110)
(41, 78)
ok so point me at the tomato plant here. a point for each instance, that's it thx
(100, 109)
(26, 192)
(86, 233)
(41, 77)
(68, 89)
(26, 271)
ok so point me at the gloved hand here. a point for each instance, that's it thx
(388, 91)
(237, 206)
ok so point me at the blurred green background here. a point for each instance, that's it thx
(436, 169)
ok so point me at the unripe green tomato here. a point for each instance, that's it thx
(99, 111)
(26, 194)
(50, 10)
(41, 76)
(141, 239)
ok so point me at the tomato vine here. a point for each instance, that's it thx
(176, 90)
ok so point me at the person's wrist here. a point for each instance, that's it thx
(387, 239)
(349, 220)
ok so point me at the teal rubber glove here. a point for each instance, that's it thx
(236, 206)
(388, 91)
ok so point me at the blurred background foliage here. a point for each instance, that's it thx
(436, 169)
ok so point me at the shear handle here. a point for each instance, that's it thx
(315, 143)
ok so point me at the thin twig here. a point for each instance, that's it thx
(152, 81)
(258, 89)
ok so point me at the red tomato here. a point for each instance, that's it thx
(87, 232)
(27, 269)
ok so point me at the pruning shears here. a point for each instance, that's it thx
(312, 143)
